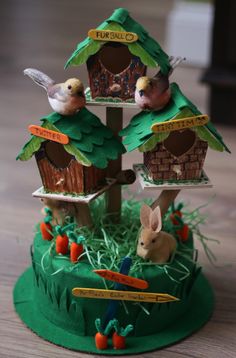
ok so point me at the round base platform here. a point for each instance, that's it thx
(201, 308)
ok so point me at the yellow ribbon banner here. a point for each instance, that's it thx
(115, 36)
(123, 295)
(179, 124)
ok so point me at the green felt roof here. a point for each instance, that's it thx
(149, 51)
(138, 133)
(91, 142)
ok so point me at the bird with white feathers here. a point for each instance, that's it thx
(65, 98)
(154, 93)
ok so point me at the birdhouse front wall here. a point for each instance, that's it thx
(161, 164)
(70, 178)
(113, 72)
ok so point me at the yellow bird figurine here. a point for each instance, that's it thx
(65, 98)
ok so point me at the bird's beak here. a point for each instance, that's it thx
(141, 93)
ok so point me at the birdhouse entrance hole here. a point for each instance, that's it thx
(57, 155)
(179, 143)
(115, 57)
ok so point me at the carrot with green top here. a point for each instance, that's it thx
(46, 227)
(176, 213)
(62, 240)
(176, 217)
(46, 230)
(183, 232)
(101, 337)
(120, 334)
(76, 247)
(62, 243)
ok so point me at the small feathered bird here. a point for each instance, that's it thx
(65, 98)
(154, 93)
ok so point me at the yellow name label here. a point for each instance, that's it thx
(178, 124)
(48, 134)
(116, 36)
(123, 295)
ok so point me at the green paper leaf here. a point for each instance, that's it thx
(138, 50)
(30, 148)
(138, 133)
(77, 154)
(152, 141)
(91, 142)
(205, 134)
(149, 51)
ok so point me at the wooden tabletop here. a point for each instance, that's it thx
(43, 35)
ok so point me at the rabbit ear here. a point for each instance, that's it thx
(155, 221)
(145, 214)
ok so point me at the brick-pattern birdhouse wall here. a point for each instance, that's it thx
(105, 83)
(163, 165)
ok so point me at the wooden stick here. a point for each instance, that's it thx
(114, 120)
(83, 215)
(165, 199)
(60, 210)
(125, 177)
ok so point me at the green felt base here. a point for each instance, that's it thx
(199, 312)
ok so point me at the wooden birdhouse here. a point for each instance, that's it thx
(174, 140)
(180, 157)
(117, 53)
(72, 153)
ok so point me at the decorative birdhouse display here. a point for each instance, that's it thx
(174, 140)
(110, 273)
(117, 53)
(72, 153)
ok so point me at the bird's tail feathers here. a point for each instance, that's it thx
(39, 77)
(174, 62)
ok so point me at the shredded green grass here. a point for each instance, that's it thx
(108, 243)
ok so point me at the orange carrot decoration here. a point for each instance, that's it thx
(62, 240)
(46, 230)
(176, 213)
(118, 341)
(46, 227)
(183, 232)
(101, 341)
(120, 334)
(62, 243)
(76, 247)
(101, 337)
(182, 229)
(174, 217)
(75, 251)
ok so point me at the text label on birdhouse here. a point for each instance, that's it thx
(114, 36)
(48, 134)
(179, 124)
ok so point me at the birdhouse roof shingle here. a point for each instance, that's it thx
(139, 134)
(91, 142)
(149, 51)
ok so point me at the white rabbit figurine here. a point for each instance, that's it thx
(154, 244)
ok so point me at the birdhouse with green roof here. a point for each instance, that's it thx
(174, 140)
(72, 153)
(117, 53)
